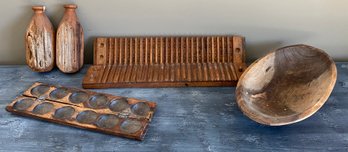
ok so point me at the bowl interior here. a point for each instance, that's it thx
(286, 85)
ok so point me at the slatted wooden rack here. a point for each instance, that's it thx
(166, 61)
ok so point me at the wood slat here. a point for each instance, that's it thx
(181, 60)
(100, 76)
(129, 69)
(199, 72)
(205, 72)
(177, 72)
(116, 75)
(172, 72)
(138, 73)
(188, 72)
(155, 72)
(193, 72)
(134, 73)
(183, 72)
(123, 73)
(162, 73)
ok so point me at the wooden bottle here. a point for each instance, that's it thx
(70, 42)
(40, 42)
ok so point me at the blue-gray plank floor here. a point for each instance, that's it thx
(187, 119)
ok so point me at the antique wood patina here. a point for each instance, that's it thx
(287, 85)
(187, 119)
(166, 62)
(70, 41)
(40, 42)
(116, 115)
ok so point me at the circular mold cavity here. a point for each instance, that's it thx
(98, 101)
(118, 105)
(130, 126)
(107, 121)
(59, 93)
(64, 113)
(87, 117)
(39, 90)
(78, 97)
(140, 108)
(23, 104)
(43, 108)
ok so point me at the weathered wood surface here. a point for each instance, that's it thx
(169, 75)
(40, 42)
(166, 61)
(70, 42)
(287, 85)
(116, 115)
(187, 119)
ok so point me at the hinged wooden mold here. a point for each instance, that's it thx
(166, 62)
(116, 115)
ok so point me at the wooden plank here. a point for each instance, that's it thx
(160, 53)
(64, 111)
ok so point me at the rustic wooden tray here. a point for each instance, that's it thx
(166, 62)
(116, 115)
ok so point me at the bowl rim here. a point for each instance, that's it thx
(285, 120)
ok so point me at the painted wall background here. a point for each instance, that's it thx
(266, 24)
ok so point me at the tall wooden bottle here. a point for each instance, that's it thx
(40, 42)
(70, 42)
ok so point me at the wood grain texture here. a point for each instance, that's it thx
(166, 61)
(40, 42)
(287, 85)
(187, 119)
(70, 42)
(124, 110)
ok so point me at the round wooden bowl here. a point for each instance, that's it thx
(287, 85)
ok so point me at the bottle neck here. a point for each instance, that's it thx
(39, 12)
(70, 10)
(39, 9)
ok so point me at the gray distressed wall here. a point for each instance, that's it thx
(266, 24)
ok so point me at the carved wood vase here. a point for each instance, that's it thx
(40, 42)
(70, 42)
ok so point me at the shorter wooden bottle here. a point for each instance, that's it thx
(70, 42)
(40, 42)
